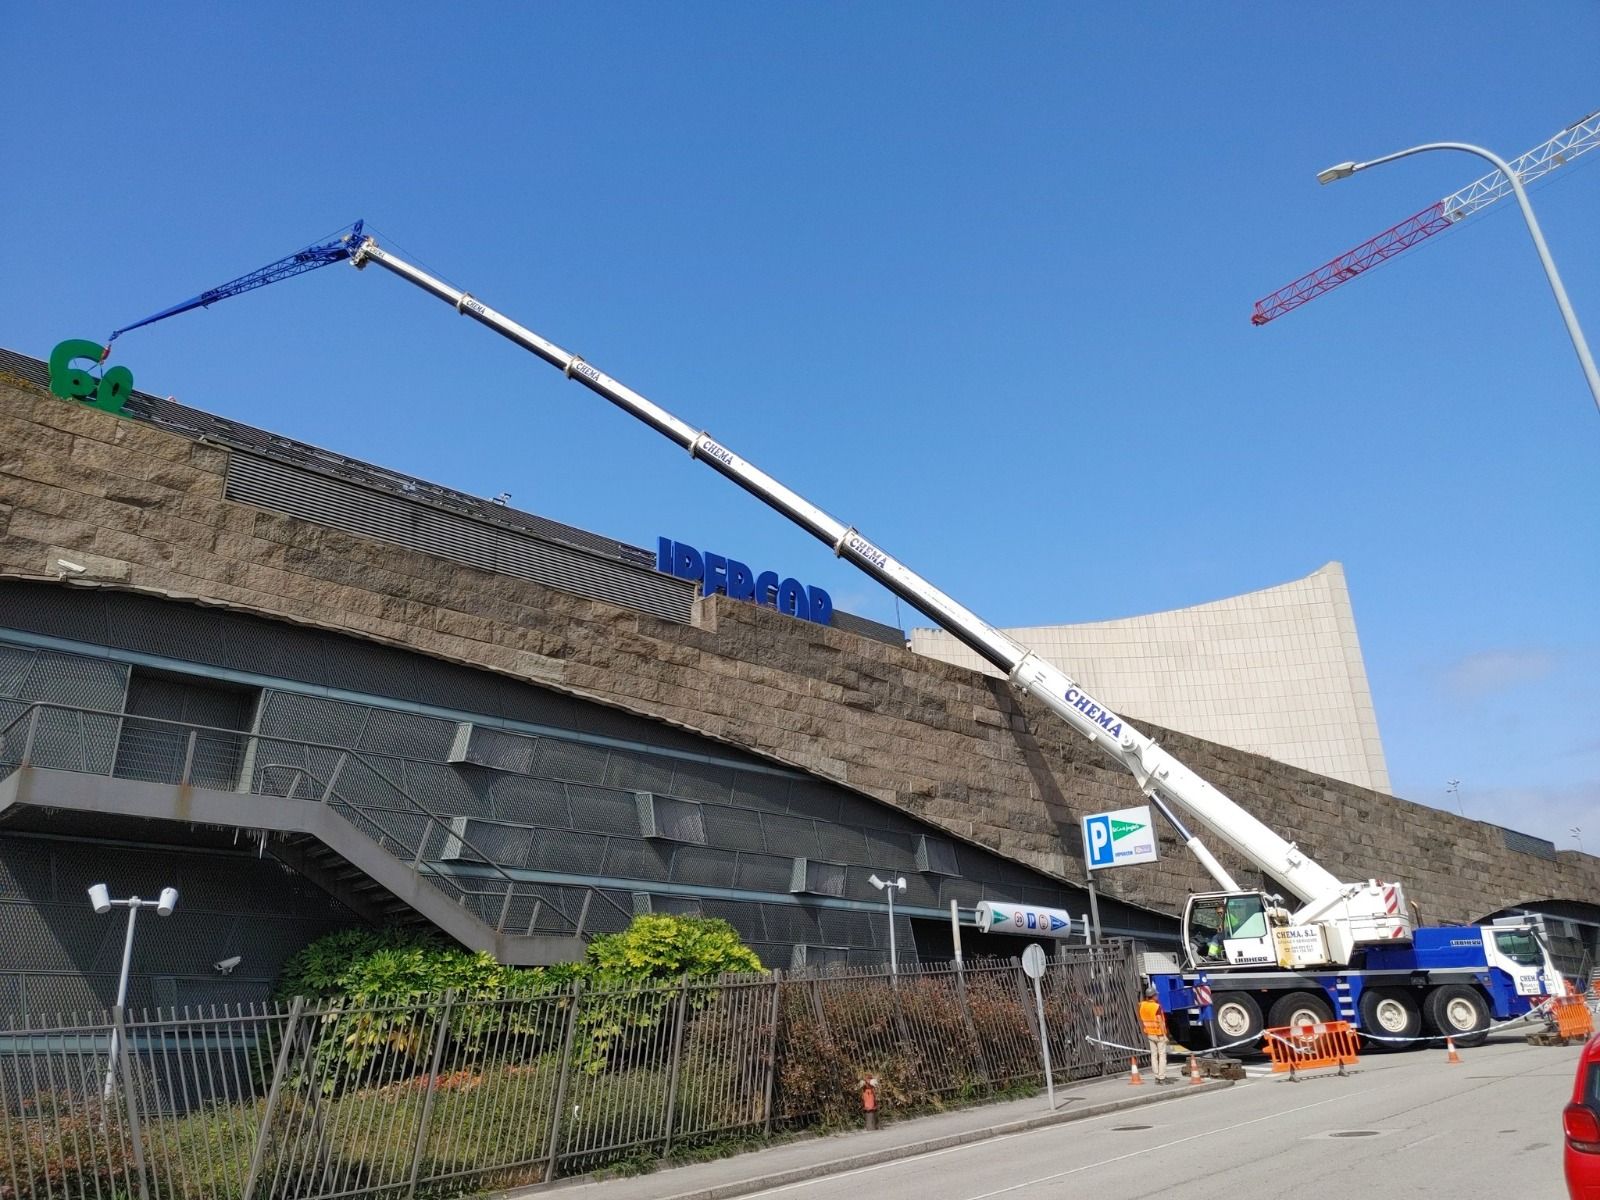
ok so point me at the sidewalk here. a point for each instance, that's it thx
(814, 1157)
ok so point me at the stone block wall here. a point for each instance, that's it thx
(143, 509)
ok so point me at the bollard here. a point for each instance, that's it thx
(869, 1100)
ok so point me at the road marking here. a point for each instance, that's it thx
(1006, 1137)
(1418, 1142)
(895, 1162)
(1151, 1149)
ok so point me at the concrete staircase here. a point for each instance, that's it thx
(310, 837)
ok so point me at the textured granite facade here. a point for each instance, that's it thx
(142, 509)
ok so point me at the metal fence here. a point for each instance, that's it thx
(440, 1096)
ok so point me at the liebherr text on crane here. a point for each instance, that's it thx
(1345, 947)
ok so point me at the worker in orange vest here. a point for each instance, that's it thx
(1155, 1032)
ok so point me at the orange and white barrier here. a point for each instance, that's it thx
(1572, 1017)
(1307, 1047)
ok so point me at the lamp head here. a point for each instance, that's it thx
(100, 898)
(876, 882)
(1340, 171)
(900, 884)
(168, 902)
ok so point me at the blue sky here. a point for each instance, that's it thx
(975, 278)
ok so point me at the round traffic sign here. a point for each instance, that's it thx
(1034, 961)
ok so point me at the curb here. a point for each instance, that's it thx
(871, 1158)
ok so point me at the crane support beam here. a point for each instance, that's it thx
(321, 254)
(1155, 770)
(1576, 139)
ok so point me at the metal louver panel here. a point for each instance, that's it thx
(1526, 844)
(493, 748)
(937, 856)
(817, 878)
(475, 543)
(671, 820)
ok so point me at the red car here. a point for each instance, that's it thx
(1581, 1122)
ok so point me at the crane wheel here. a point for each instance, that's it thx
(1237, 1018)
(1458, 1011)
(1298, 1008)
(1390, 1013)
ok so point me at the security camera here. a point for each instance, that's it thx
(100, 897)
(226, 966)
(168, 902)
(70, 568)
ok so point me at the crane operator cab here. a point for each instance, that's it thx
(1232, 929)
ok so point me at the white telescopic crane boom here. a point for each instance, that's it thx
(1161, 776)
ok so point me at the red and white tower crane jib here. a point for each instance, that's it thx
(1577, 138)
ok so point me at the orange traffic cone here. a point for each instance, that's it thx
(1450, 1045)
(1134, 1078)
(1194, 1071)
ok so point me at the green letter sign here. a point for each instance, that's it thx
(110, 392)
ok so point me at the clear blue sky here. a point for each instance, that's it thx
(976, 278)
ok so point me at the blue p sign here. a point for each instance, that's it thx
(1097, 841)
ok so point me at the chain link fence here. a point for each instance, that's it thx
(439, 1096)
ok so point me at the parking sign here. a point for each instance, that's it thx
(1119, 839)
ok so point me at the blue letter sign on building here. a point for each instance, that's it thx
(733, 579)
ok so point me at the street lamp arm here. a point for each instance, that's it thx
(1585, 359)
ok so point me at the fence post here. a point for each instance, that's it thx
(188, 756)
(971, 1027)
(1033, 1019)
(130, 1096)
(27, 742)
(259, 1154)
(677, 1058)
(505, 907)
(333, 776)
(772, 1054)
(433, 1090)
(815, 992)
(554, 1151)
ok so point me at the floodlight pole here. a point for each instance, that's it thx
(103, 903)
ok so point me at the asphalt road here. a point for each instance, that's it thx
(1415, 1127)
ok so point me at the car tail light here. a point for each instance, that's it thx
(1582, 1128)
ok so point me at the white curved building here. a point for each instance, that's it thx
(1276, 672)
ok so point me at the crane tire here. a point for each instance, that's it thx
(1236, 1017)
(1390, 1013)
(1298, 1008)
(1458, 1011)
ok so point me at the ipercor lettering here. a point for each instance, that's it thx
(718, 573)
(1109, 721)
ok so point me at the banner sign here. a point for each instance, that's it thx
(999, 916)
(1119, 839)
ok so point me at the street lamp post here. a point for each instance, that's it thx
(889, 887)
(1585, 359)
(101, 899)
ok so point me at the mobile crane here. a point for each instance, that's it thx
(1348, 947)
